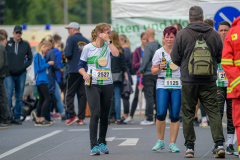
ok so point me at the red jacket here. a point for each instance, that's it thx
(231, 59)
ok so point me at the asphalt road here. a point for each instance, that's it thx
(125, 142)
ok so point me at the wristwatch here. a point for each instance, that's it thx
(110, 42)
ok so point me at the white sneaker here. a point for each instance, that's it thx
(203, 124)
(146, 122)
(128, 120)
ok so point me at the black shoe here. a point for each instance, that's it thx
(44, 123)
(230, 149)
(196, 122)
(180, 118)
(214, 150)
(121, 122)
(220, 152)
(17, 122)
(189, 153)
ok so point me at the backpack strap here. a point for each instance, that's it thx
(191, 32)
(207, 34)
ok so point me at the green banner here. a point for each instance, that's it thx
(133, 27)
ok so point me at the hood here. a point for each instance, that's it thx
(199, 26)
(236, 22)
(11, 40)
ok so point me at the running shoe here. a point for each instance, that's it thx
(160, 145)
(196, 121)
(214, 150)
(128, 120)
(103, 149)
(71, 121)
(230, 149)
(146, 122)
(220, 152)
(80, 122)
(189, 153)
(203, 124)
(236, 153)
(44, 123)
(95, 151)
(173, 147)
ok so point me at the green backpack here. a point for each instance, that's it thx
(200, 64)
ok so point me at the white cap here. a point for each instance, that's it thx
(74, 25)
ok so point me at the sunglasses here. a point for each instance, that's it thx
(18, 32)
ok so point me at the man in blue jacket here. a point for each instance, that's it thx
(75, 81)
(19, 58)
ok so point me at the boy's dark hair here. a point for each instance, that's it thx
(56, 38)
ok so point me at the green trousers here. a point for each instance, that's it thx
(208, 97)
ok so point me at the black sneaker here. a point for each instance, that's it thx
(230, 149)
(220, 152)
(214, 150)
(44, 123)
(121, 122)
(189, 153)
(36, 124)
(196, 122)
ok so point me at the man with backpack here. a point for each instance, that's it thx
(197, 50)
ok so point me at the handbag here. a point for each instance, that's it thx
(117, 77)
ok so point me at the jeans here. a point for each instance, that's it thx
(57, 96)
(117, 97)
(17, 82)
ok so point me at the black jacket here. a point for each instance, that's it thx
(4, 72)
(182, 50)
(119, 65)
(17, 63)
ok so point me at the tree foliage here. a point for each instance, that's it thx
(51, 11)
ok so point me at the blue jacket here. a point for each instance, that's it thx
(50, 56)
(40, 67)
(73, 50)
(58, 55)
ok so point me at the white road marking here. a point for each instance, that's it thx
(128, 141)
(74, 130)
(225, 18)
(125, 128)
(28, 143)
(110, 139)
(169, 127)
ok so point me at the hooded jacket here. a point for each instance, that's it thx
(183, 47)
(4, 72)
(231, 59)
(40, 67)
(18, 62)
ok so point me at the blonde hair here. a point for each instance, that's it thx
(115, 40)
(50, 39)
(42, 43)
(126, 40)
(101, 27)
